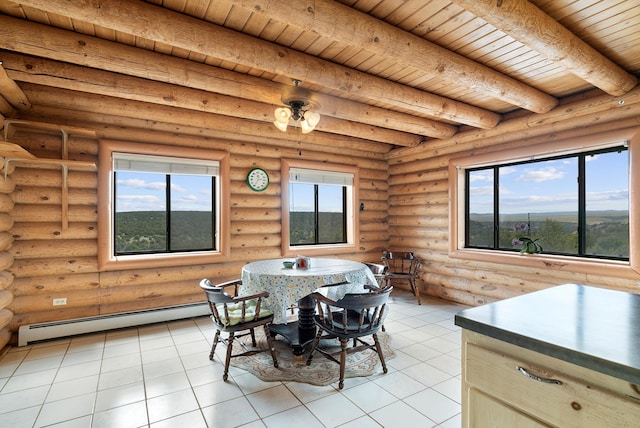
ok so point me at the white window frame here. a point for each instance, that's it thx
(182, 156)
(331, 172)
(625, 269)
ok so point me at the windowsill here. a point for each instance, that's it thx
(319, 250)
(570, 264)
(160, 260)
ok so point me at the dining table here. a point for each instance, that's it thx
(293, 286)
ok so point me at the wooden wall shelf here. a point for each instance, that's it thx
(14, 154)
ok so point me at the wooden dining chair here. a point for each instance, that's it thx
(402, 267)
(351, 317)
(379, 272)
(237, 316)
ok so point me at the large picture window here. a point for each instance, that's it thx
(161, 206)
(574, 204)
(576, 197)
(320, 207)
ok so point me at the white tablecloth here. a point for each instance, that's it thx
(287, 286)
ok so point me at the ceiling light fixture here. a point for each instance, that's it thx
(297, 99)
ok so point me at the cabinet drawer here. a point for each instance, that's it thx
(545, 394)
(488, 412)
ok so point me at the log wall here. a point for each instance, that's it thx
(405, 193)
(44, 261)
(419, 205)
(6, 259)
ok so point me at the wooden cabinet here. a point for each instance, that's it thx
(487, 411)
(505, 385)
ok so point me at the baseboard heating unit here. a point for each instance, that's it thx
(50, 330)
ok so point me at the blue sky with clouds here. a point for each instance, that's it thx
(301, 198)
(146, 192)
(551, 186)
(548, 186)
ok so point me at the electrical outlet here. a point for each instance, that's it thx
(60, 301)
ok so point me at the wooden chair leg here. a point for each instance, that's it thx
(216, 339)
(415, 289)
(225, 375)
(343, 360)
(272, 348)
(316, 341)
(253, 338)
(379, 351)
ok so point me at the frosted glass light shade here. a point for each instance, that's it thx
(282, 115)
(309, 123)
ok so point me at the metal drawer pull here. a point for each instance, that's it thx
(539, 379)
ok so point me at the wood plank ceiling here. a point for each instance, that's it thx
(401, 72)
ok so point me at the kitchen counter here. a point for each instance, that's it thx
(591, 327)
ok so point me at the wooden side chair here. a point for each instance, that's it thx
(237, 316)
(403, 267)
(379, 271)
(352, 317)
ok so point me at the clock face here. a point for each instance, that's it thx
(258, 179)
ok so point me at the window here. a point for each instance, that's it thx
(498, 196)
(164, 205)
(574, 204)
(319, 200)
(161, 209)
(317, 206)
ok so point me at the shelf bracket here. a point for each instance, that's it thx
(24, 158)
(64, 199)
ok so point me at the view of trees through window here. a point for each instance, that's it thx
(572, 205)
(317, 214)
(150, 219)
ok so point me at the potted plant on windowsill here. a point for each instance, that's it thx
(529, 246)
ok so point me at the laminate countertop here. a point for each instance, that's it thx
(588, 326)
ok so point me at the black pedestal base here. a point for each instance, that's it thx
(299, 333)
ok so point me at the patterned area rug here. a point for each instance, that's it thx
(321, 371)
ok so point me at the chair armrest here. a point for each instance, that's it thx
(235, 285)
(242, 298)
(335, 285)
(375, 289)
(322, 298)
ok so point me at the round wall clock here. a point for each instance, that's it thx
(258, 179)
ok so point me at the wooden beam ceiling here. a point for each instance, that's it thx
(11, 92)
(77, 78)
(532, 27)
(66, 46)
(328, 18)
(380, 70)
(164, 26)
(62, 99)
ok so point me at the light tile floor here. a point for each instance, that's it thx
(160, 376)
